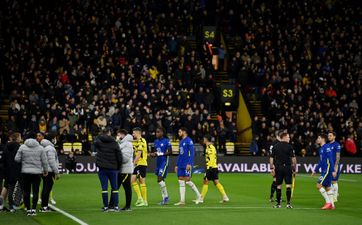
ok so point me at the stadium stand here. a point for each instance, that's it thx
(72, 70)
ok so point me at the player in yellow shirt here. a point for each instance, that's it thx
(212, 173)
(140, 170)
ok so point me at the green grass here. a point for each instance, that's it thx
(80, 196)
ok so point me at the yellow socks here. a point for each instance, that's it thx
(221, 189)
(136, 189)
(205, 188)
(144, 192)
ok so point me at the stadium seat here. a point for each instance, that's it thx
(78, 148)
(230, 148)
(67, 147)
(175, 147)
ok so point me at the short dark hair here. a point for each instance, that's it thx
(30, 134)
(323, 136)
(332, 132)
(107, 130)
(207, 137)
(161, 129)
(40, 133)
(283, 134)
(122, 131)
(183, 129)
(280, 133)
(137, 129)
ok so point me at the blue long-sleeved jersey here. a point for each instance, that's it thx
(326, 163)
(187, 152)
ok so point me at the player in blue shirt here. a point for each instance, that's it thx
(185, 162)
(336, 155)
(163, 150)
(326, 164)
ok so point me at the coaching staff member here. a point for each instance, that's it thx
(109, 162)
(283, 164)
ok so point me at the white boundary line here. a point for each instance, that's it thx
(68, 215)
(197, 208)
(220, 207)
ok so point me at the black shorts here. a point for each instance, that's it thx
(283, 173)
(140, 171)
(212, 174)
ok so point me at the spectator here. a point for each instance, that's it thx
(71, 163)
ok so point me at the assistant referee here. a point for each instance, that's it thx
(283, 164)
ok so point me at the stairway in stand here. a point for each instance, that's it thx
(242, 149)
(4, 112)
(256, 108)
(221, 77)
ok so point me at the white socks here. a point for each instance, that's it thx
(182, 190)
(164, 189)
(324, 194)
(194, 188)
(335, 190)
(331, 196)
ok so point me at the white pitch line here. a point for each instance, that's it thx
(341, 179)
(218, 207)
(197, 208)
(68, 215)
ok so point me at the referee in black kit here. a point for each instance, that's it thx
(283, 164)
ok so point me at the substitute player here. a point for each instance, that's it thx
(326, 164)
(163, 150)
(283, 164)
(212, 173)
(336, 156)
(140, 170)
(185, 162)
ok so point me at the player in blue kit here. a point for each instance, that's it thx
(336, 155)
(163, 150)
(185, 162)
(326, 164)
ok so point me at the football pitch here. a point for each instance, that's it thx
(80, 196)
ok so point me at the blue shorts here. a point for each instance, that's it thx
(338, 172)
(182, 172)
(325, 179)
(161, 171)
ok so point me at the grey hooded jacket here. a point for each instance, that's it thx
(127, 154)
(52, 156)
(32, 157)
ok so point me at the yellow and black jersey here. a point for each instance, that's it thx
(141, 145)
(211, 161)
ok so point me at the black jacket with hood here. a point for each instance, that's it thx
(109, 155)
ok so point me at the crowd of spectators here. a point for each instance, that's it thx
(303, 60)
(75, 67)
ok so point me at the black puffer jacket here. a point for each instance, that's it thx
(109, 155)
(12, 168)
